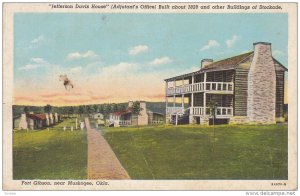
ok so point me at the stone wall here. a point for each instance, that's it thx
(238, 120)
(261, 86)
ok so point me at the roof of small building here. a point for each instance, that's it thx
(37, 116)
(122, 112)
(157, 113)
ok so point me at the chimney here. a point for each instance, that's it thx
(262, 47)
(143, 114)
(47, 119)
(206, 62)
(23, 116)
(130, 103)
(261, 97)
(143, 106)
(23, 122)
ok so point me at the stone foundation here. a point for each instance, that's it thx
(192, 120)
(204, 121)
(238, 120)
(168, 119)
(280, 119)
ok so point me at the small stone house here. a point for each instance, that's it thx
(127, 118)
(247, 88)
(34, 121)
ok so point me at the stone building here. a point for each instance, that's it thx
(128, 118)
(248, 88)
(34, 121)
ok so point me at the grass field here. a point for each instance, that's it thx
(191, 152)
(53, 154)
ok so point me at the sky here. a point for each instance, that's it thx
(113, 58)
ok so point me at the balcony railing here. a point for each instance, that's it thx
(157, 122)
(220, 111)
(201, 87)
(201, 111)
(174, 110)
(124, 122)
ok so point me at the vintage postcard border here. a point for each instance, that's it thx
(9, 9)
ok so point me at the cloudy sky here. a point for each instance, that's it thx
(120, 57)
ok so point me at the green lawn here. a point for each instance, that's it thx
(53, 154)
(191, 152)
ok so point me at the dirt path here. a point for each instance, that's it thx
(102, 161)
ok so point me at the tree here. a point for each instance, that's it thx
(95, 108)
(81, 110)
(100, 109)
(136, 107)
(89, 109)
(48, 109)
(114, 107)
(70, 110)
(106, 109)
(26, 110)
(213, 107)
(122, 107)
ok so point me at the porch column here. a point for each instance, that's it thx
(174, 86)
(174, 100)
(182, 100)
(191, 116)
(166, 98)
(204, 94)
(192, 95)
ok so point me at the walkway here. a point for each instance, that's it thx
(102, 161)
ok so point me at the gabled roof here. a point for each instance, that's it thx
(37, 116)
(228, 63)
(225, 64)
(119, 113)
(280, 66)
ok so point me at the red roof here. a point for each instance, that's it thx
(36, 116)
(119, 113)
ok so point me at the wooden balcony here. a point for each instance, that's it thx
(124, 122)
(174, 110)
(211, 87)
(157, 122)
(221, 112)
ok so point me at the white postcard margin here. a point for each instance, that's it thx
(9, 9)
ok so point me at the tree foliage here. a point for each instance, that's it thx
(136, 107)
(48, 108)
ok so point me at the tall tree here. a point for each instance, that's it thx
(100, 108)
(114, 107)
(71, 110)
(81, 110)
(213, 107)
(26, 109)
(89, 109)
(96, 108)
(136, 107)
(106, 109)
(48, 109)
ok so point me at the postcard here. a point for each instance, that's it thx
(150, 96)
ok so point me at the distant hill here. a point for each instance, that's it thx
(19, 109)
(159, 107)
